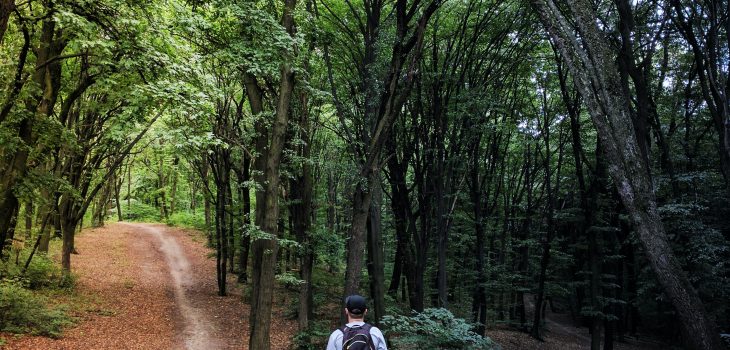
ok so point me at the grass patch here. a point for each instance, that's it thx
(23, 311)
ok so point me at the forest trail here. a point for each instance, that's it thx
(196, 324)
(150, 286)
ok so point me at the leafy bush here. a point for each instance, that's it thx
(141, 212)
(21, 311)
(186, 219)
(433, 329)
(41, 273)
(313, 338)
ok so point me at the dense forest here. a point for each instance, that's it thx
(477, 160)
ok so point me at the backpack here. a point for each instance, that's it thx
(357, 338)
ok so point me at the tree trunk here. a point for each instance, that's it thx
(6, 9)
(129, 187)
(245, 198)
(28, 220)
(162, 184)
(302, 191)
(357, 234)
(594, 72)
(99, 213)
(173, 190)
(375, 256)
(230, 219)
(401, 208)
(207, 197)
(267, 201)
(118, 188)
(595, 286)
(479, 299)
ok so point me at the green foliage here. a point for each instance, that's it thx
(289, 280)
(41, 273)
(142, 212)
(188, 219)
(315, 337)
(433, 329)
(22, 311)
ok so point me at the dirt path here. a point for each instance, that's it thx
(196, 324)
(148, 286)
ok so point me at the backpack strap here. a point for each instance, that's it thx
(365, 326)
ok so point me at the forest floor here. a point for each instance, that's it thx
(561, 334)
(564, 337)
(150, 286)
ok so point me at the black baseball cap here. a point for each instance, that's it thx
(355, 304)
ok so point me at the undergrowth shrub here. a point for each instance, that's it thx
(434, 329)
(314, 338)
(140, 211)
(41, 273)
(186, 219)
(22, 311)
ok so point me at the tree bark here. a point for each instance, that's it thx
(245, 198)
(479, 299)
(375, 256)
(6, 9)
(207, 198)
(117, 189)
(28, 220)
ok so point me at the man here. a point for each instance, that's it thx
(356, 334)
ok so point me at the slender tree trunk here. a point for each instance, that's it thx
(162, 184)
(245, 198)
(375, 256)
(401, 209)
(28, 220)
(479, 298)
(551, 186)
(173, 189)
(207, 197)
(129, 187)
(230, 219)
(594, 255)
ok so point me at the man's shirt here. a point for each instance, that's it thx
(335, 341)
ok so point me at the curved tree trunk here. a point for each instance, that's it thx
(595, 74)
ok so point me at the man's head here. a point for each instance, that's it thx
(355, 307)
